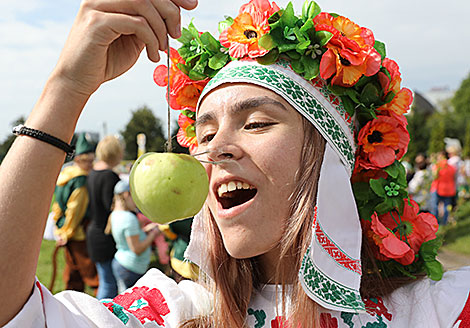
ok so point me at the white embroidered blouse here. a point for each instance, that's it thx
(157, 301)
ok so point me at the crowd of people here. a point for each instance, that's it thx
(441, 181)
(107, 241)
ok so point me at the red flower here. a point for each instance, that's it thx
(381, 142)
(150, 304)
(350, 53)
(393, 83)
(248, 27)
(362, 175)
(186, 136)
(413, 227)
(327, 321)
(387, 245)
(400, 237)
(184, 92)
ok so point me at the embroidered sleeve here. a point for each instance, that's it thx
(463, 321)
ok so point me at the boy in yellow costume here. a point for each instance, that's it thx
(70, 207)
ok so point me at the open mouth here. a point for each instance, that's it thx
(235, 193)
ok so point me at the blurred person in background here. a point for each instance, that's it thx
(444, 184)
(69, 214)
(101, 182)
(132, 258)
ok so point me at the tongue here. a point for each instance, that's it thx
(236, 197)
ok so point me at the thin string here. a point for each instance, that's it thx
(168, 143)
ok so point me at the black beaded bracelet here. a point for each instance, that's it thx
(43, 136)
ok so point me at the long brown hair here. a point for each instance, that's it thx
(231, 297)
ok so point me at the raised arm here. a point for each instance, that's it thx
(105, 41)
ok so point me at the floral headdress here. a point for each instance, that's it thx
(342, 64)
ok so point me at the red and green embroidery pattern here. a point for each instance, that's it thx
(142, 302)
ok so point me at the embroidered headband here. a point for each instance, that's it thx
(337, 76)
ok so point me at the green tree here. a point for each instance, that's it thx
(461, 99)
(438, 132)
(419, 136)
(466, 144)
(6, 144)
(143, 121)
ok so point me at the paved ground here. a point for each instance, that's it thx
(451, 260)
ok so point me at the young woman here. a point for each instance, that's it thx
(132, 258)
(101, 182)
(285, 238)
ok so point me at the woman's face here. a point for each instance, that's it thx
(261, 136)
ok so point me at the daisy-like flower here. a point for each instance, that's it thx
(381, 142)
(242, 37)
(186, 135)
(350, 53)
(184, 92)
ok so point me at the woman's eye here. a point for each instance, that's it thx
(258, 125)
(206, 138)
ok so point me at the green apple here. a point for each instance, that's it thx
(168, 186)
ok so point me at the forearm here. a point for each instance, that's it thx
(28, 174)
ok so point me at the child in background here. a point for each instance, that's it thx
(132, 258)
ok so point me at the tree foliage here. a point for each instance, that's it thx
(143, 121)
(438, 130)
(461, 100)
(6, 144)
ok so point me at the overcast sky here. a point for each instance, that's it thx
(428, 38)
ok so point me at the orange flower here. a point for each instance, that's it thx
(184, 92)
(186, 136)
(248, 27)
(350, 53)
(381, 141)
(400, 104)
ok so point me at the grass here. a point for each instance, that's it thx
(456, 237)
(44, 269)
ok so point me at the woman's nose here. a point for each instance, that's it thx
(224, 146)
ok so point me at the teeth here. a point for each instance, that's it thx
(231, 186)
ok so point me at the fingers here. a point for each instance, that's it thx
(162, 15)
(138, 26)
(186, 4)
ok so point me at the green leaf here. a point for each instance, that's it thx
(183, 68)
(434, 270)
(389, 97)
(353, 94)
(377, 185)
(312, 67)
(429, 249)
(297, 66)
(393, 170)
(196, 76)
(223, 25)
(210, 43)
(218, 61)
(383, 207)
(288, 17)
(286, 47)
(267, 42)
(380, 47)
(313, 10)
(302, 46)
(323, 37)
(361, 191)
(348, 104)
(293, 54)
(369, 94)
(338, 90)
(185, 37)
(270, 58)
